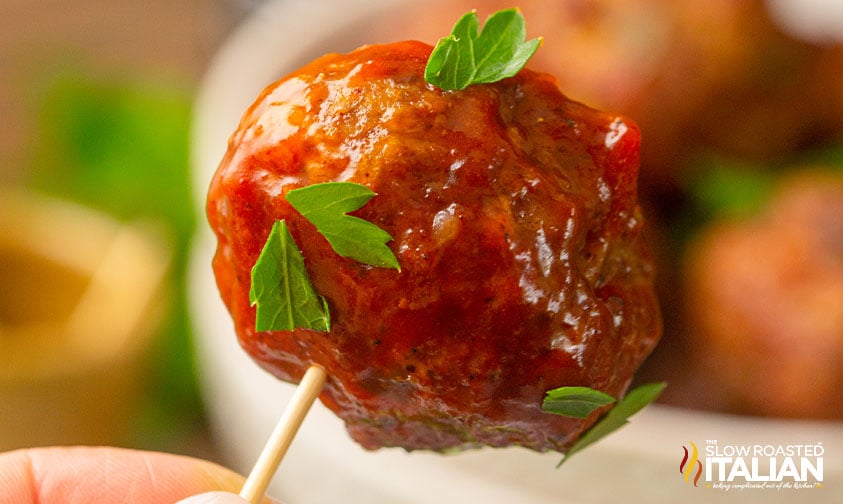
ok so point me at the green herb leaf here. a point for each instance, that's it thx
(325, 206)
(281, 289)
(618, 416)
(727, 189)
(464, 57)
(577, 402)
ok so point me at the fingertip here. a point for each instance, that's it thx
(214, 498)
(219, 497)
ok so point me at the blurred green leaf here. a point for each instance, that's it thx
(729, 190)
(121, 146)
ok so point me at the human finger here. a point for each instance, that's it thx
(71, 475)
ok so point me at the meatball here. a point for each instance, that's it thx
(514, 219)
(765, 304)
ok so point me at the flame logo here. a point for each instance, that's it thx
(689, 461)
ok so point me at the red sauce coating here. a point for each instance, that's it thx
(515, 221)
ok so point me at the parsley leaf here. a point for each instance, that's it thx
(325, 206)
(464, 57)
(618, 416)
(578, 402)
(281, 289)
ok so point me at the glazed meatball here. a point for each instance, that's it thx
(514, 219)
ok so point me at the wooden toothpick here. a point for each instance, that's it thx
(282, 436)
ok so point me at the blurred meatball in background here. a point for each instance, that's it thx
(765, 305)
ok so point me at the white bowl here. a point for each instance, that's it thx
(639, 463)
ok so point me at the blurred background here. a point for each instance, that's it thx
(741, 107)
(95, 109)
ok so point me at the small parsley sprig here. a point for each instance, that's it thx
(281, 290)
(579, 402)
(325, 206)
(466, 57)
